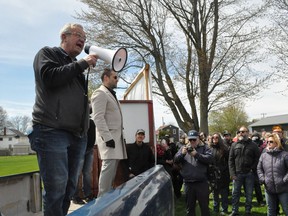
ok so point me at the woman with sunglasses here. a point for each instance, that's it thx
(220, 153)
(272, 170)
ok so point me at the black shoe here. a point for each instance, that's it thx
(89, 198)
(78, 201)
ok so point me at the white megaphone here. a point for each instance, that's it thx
(117, 58)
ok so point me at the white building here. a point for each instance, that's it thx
(15, 141)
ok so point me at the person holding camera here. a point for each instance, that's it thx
(107, 116)
(194, 159)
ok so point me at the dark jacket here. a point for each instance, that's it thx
(243, 157)
(61, 100)
(272, 170)
(140, 158)
(221, 162)
(161, 159)
(91, 135)
(194, 169)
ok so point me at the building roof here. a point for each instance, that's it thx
(11, 132)
(272, 120)
(166, 126)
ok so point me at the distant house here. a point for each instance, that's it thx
(171, 130)
(266, 124)
(14, 141)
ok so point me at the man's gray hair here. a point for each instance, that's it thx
(67, 28)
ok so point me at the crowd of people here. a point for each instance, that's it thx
(248, 160)
(59, 137)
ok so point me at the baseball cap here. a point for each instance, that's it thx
(140, 131)
(226, 133)
(192, 134)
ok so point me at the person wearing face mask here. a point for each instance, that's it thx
(272, 170)
(243, 159)
(194, 159)
(61, 117)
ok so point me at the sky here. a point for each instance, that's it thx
(29, 25)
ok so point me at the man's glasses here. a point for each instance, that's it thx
(192, 140)
(242, 131)
(77, 34)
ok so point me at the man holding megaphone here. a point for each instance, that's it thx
(60, 117)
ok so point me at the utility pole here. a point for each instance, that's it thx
(263, 115)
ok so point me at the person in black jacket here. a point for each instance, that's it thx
(258, 191)
(243, 158)
(60, 117)
(220, 152)
(194, 159)
(140, 155)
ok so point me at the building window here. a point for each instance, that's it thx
(174, 131)
(10, 139)
(1, 138)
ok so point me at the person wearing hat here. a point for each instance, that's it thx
(227, 138)
(256, 138)
(194, 159)
(140, 156)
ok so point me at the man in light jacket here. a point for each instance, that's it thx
(107, 116)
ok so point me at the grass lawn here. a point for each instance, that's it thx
(10, 165)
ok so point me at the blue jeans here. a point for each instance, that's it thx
(86, 174)
(246, 179)
(59, 155)
(272, 203)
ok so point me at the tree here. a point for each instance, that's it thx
(20, 123)
(3, 117)
(278, 37)
(201, 52)
(230, 118)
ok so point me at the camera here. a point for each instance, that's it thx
(189, 149)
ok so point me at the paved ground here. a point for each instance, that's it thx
(73, 207)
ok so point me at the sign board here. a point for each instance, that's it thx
(138, 114)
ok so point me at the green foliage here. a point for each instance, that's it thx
(230, 118)
(10, 165)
